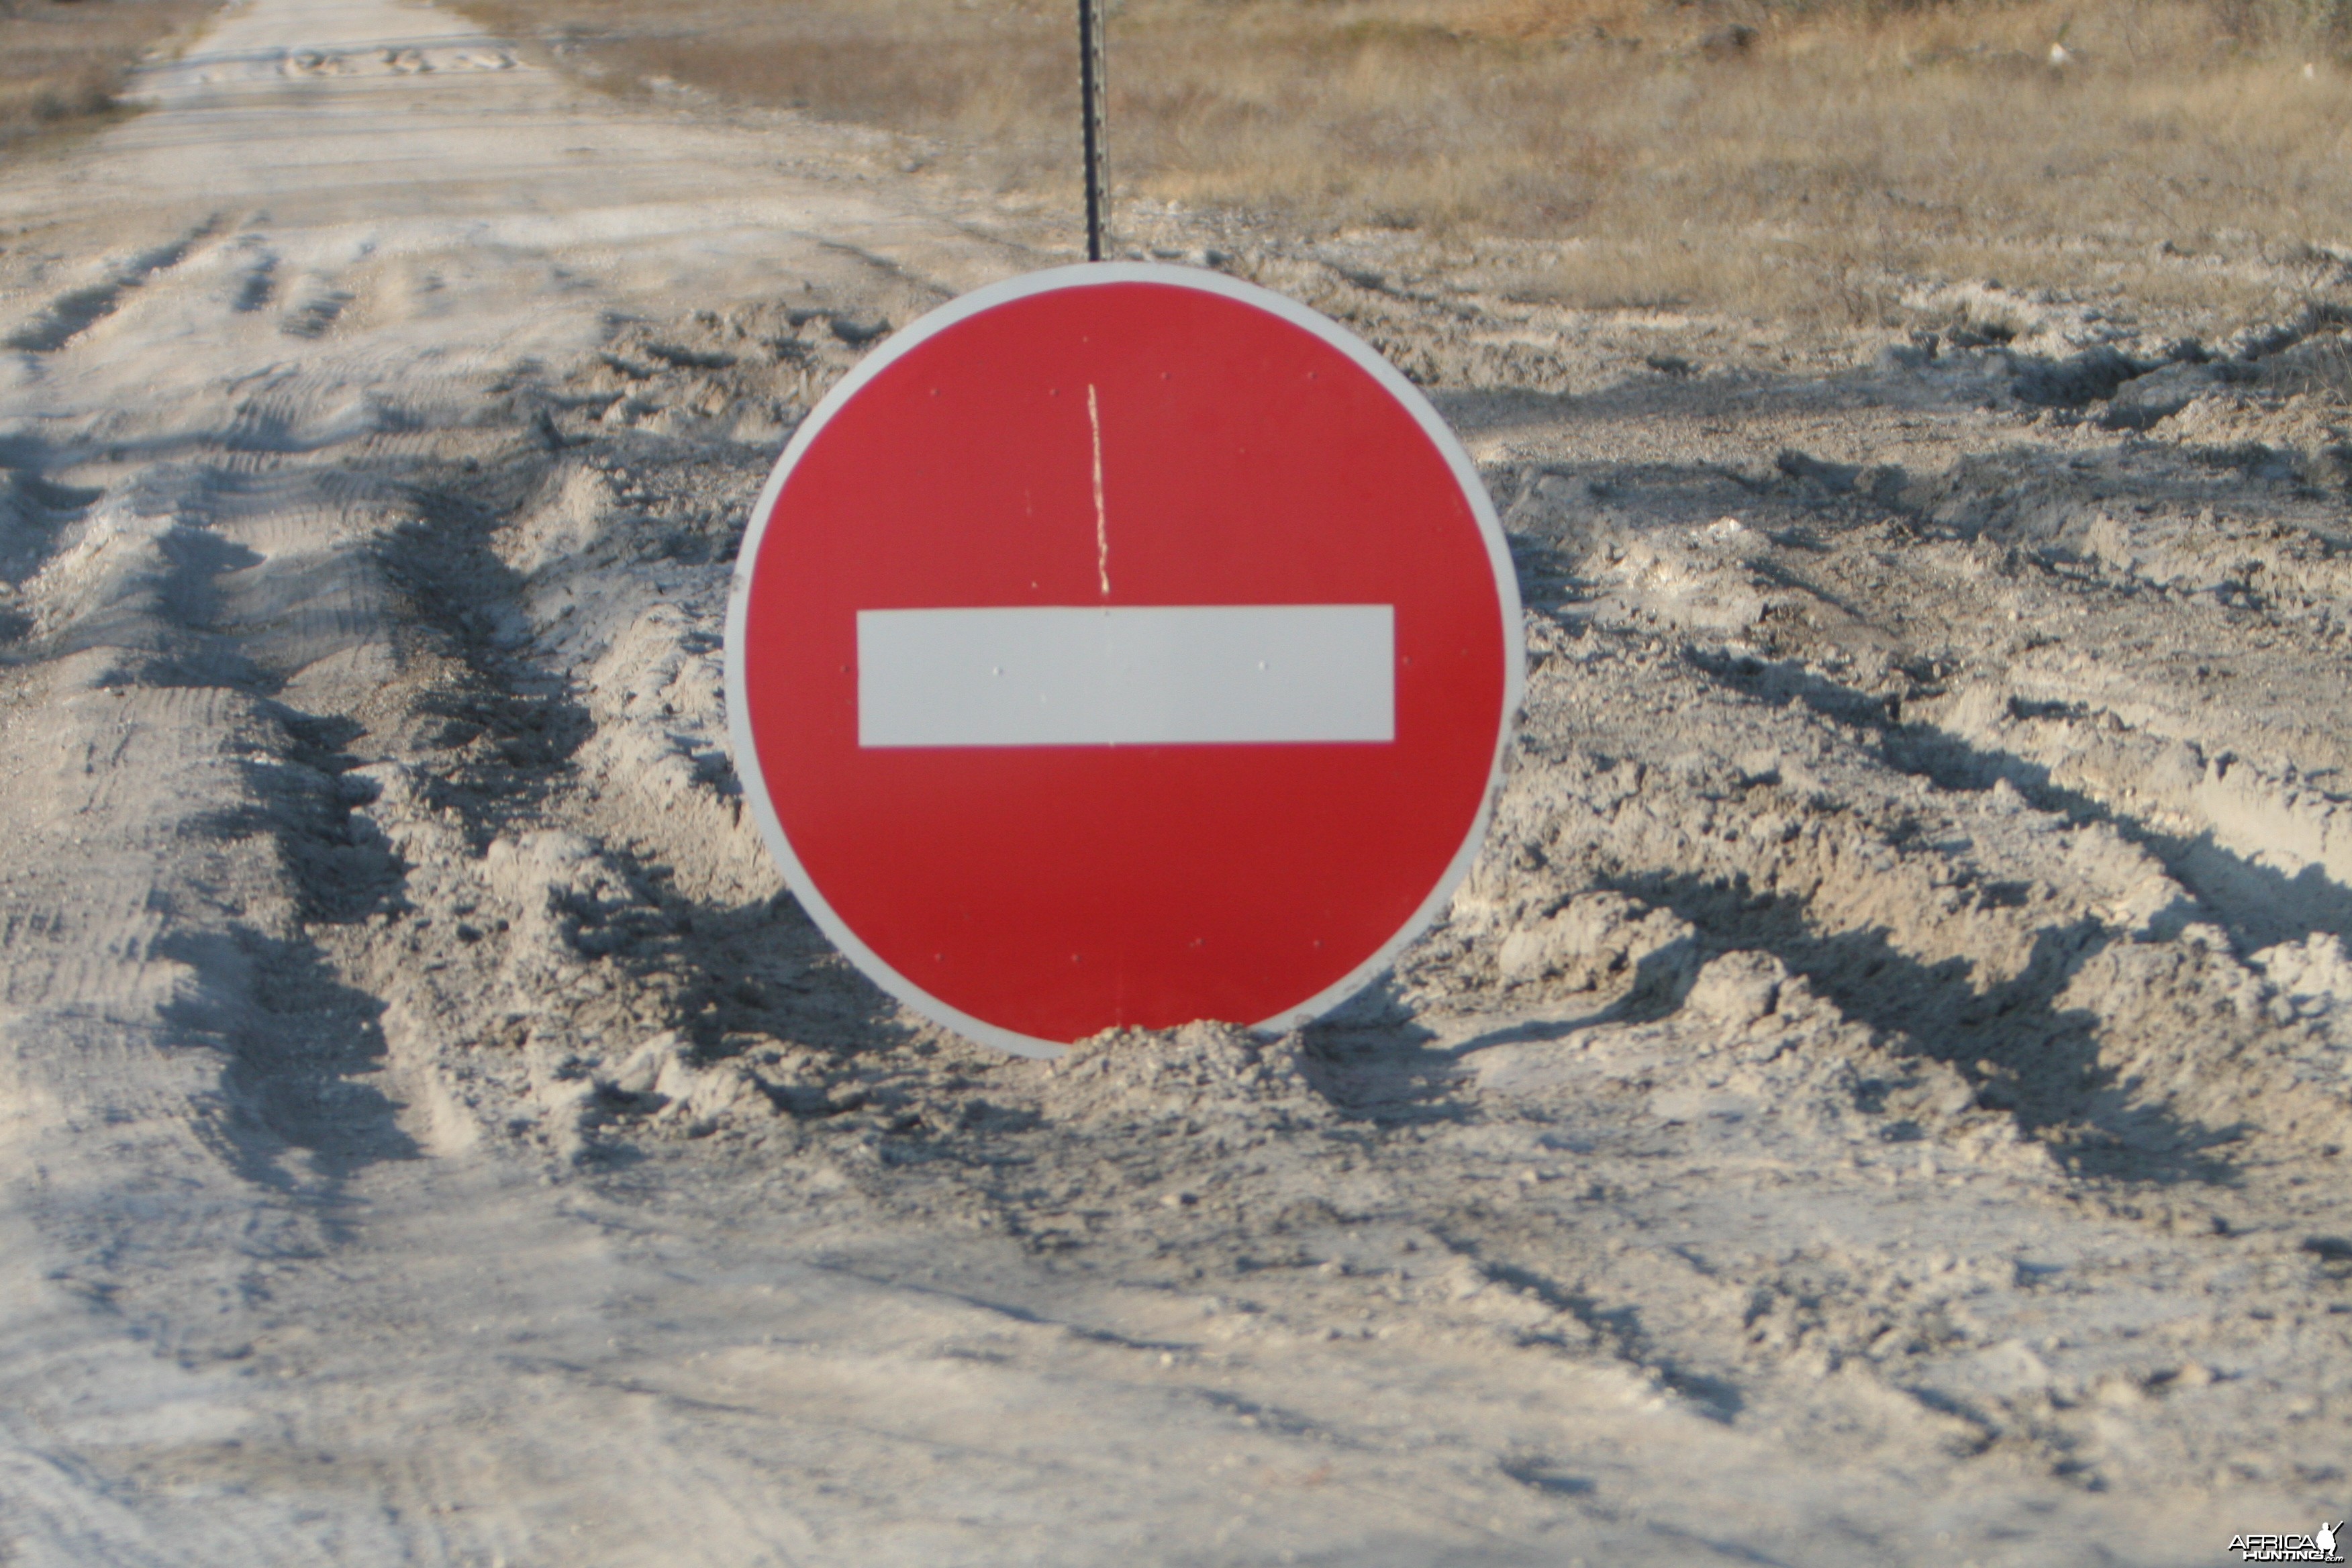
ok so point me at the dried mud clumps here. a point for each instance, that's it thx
(1224, 1083)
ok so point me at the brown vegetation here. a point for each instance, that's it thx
(63, 60)
(1767, 157)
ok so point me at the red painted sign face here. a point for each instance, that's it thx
(1122, 645)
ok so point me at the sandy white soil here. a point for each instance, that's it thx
(1879, 1099)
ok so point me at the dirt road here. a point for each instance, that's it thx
(1879, 1099)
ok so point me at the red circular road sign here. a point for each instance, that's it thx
(1122, 645)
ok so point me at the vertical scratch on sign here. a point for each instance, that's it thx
(1102, 522)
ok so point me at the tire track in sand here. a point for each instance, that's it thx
(205, 647)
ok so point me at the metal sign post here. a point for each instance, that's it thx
(1090, 88)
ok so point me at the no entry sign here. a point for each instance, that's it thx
(1122, 645)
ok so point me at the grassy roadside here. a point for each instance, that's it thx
(62, 61)
(1824, 159)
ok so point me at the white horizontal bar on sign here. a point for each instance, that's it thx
(1126, 676)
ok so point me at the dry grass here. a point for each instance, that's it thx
(62, 61)
(1763, 157)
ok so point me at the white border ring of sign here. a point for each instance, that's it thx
(1090, 276)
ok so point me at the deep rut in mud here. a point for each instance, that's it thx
(1948, 955)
